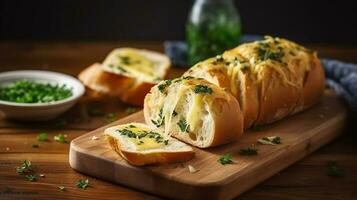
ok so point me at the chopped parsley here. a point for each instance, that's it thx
(203, 89)
(271, 140)
(25, 167)
(130, 110)
(334, 169)
(60, 138)
(266, 52)
(42, 137)
(226, 159)
(174, 113)
(184, 126)
(151, 134)
(31, 177)
(26, 91)
(159, 121)
(118, 68)
(164, 85)
(257, 128)
(35, 146)
(83, 184)
(250, 151)
(110, 117)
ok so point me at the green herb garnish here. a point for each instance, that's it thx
(226, 159)
(25, 167)
(161, 119)
(31, 177)
(164, 85)
(82, 183)
(203, 89)
(42, 137)
(25, 91)
(60, 138)
(130, 110)
(61, 188)
(184, 126)
(334, 169)
(35, 146)
(272, 140)
(257, 128)
(250, 151)
(110, 117)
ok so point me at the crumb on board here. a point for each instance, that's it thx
(94, 137)
(192, 169)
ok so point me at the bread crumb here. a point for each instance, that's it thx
(42, 175)
(192, 169)
(95, 137)
(7, 148)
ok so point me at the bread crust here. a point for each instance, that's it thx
(103, 82)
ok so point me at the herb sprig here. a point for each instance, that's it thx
(226, 159)
(250, 151)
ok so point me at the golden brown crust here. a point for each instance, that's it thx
(103, 82)
(136, 94)
(228, 125)
(140, 159)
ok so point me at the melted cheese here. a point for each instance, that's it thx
(146, 143)
(195, 112)
(133, 63)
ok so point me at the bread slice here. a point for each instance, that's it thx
(99, 82)
(127, 73)
(140, 145)
(194, 111)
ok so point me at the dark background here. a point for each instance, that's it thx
(303, 21)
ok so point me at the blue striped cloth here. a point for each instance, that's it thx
(340, 76)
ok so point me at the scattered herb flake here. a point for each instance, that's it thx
(31, 177)
(42, 137)
(60, 138)
(111, 117)
(334, 169)
(164, 85)
(82, 183)
(25, 167)
(96, 112)
(257, 128)
(226, 159)
(184, 126)
(250, 151)
(35, 146)
(203, 89)
(130, 110)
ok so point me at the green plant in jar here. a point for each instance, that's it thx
(213, 27)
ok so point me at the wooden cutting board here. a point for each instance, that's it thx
(301, 134)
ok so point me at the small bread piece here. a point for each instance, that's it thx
(127, 73)
(102, 82)
(194, 111)
(140, 145)
(146, 68)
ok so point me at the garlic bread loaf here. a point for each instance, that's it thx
(194, 111)
(127, 73)
(140, 145)
(271, 79)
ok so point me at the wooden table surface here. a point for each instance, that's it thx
(306, 179)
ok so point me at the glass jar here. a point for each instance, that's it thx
(213, 27)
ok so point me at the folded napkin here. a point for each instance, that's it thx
(340, 76)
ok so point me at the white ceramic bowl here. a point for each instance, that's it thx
(39, 111)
